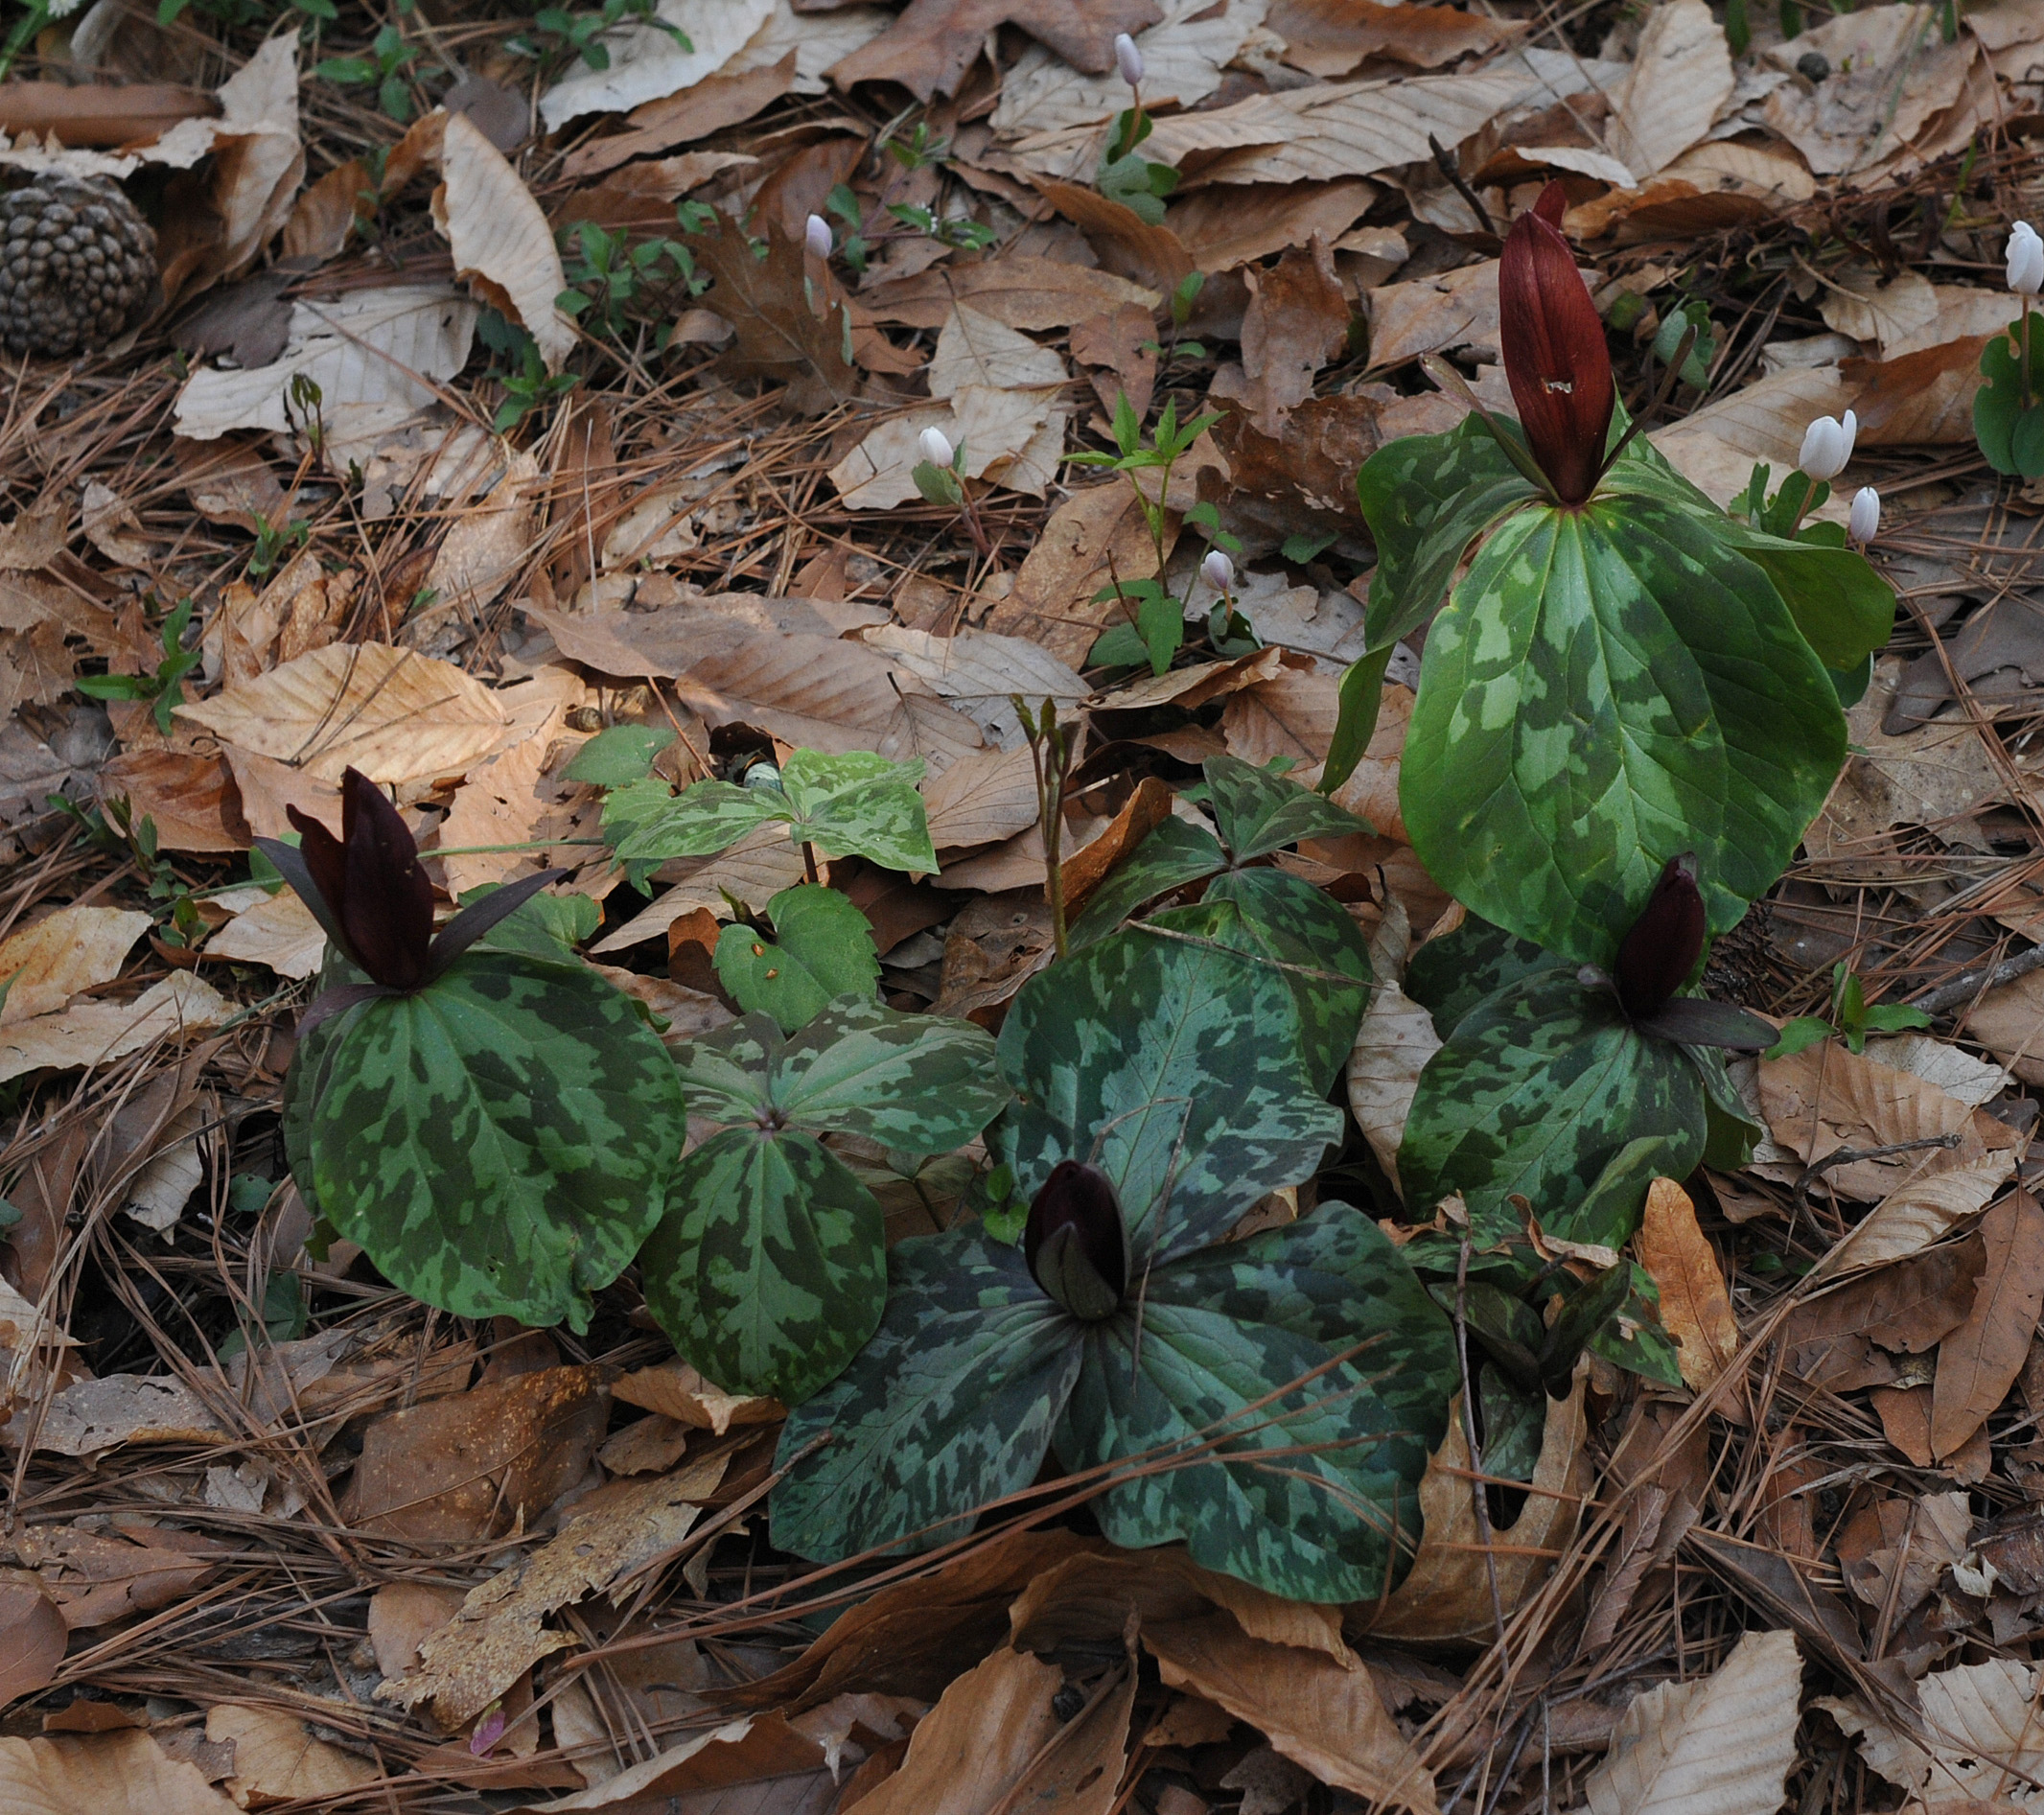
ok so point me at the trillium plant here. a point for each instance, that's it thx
(2008, 408)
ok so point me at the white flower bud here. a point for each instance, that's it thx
(1218, 571)
(1827, 445)
(817, 236)
(2025, 260)
(935, 446)
(1866, 516)
(1128, 59)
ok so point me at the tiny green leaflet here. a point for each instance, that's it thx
(767, 1271)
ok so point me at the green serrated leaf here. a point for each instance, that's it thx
(768, 1270)
(1258, 812)
(497, 1142)
(1172, 1066)
(1607, 688)
(1535, 1093)
(822, 946)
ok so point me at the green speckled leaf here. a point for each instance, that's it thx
(1537, 1091)
(822, 946)
(500, 1142)
(726, 1070)
(950, 1405)
(546, 926)
(1175, 1068)
(1174, 855)
(860, 804)
(1258, 812)
(768, 1270)
(1450, 975)
(1425, 498)
(1312, 1494)
(649, 824)
(1287, 918)
(921, 1084)
(1607, 688)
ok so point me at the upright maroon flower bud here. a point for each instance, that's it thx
(375, 900)
(1555, 358)
(1076, 1242)
(1657, 956)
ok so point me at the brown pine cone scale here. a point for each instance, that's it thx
(77, 263)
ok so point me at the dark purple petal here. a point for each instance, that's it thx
(1555, 358)
(1076, 1242)
(386, 908)
(479, 916)
(1692, 1021)
(1658, 953)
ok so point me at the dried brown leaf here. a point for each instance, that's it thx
(276, 1760)
(32, 1641)
(110, 1773)
(1694, 1304)
(1331, 37)
(929, 48)
(95, 1032)
(1978, 1362)
(74, 948)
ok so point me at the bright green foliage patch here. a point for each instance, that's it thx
(2007, 415)
(821, 947)
(498, 1142)
(767, 1271)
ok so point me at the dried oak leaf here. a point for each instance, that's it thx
(929, 48)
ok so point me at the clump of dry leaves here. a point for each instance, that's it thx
(274, 1534)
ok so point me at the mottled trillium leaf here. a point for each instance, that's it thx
(821, 947)
(648, 824)
(1535, 1093)
(1173, 1067)
(498, 1142)
(769, 1272)
(1607, 688)
(860, 805)
(1265, 913)
(1174, 853)
(546, 926)
(1258, 812)
(1450, 975)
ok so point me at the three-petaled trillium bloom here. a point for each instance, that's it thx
(1076, 1241)
(935, 446)
(2025, 260)
(1128, 59)
(1827, 445)
(816, 235)
(1555, 358)
(1655, 959)
(1218, 570)
(1866, 516)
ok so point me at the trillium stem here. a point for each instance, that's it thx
(2025, 353)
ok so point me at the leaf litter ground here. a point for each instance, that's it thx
(277, 1534)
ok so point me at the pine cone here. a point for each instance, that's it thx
(77, 263)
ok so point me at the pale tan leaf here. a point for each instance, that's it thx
(259, 161)
(984, 797)
(969, 1751)
(1322, 1714)
(93, 1033)
(1694, 1304)
(1891, 72)
(1228, 226)
(500, 804)
(1987, 1745)
(503, 250)
(816, 40)
(110, 1773)
(35, 538)
(42, 967)
(992, 426)
(1294, 714)
(393, 713)
(1721, 1745)
(1916, 1214)
(980, 671)
(755, 869)
(974, 348)
(92, 1416)
(1183, 58)
(276, 1760)
(1680, 78)
(111, 526)
(648, 64)
(1393, 1040)
(489, 541)
(1978, 1362)
(499, 1633)
(677, 1391)
(1715, 448)
(278, 933)
(1019, 289)
(1888, 313)
(1456, 308)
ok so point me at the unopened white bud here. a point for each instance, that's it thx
(2025, 260)
(1127, 60)
(1218, 571)
(936, 446)
(1827, 445)
(817, 236)
(1866, 516)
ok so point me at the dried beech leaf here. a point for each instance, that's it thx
(44, 966)
(504, 248)
(1694, 1304)
(110, 1774)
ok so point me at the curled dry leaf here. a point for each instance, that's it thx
(1393, 1040)
(393, 713)
(646, 64)
(1987, 1748)
(1724, 1742)
(1680, 78)
(278, 933)
(42, 967)
(970, 1752)
(1978, 1361)
(1694, 1304)
(94, 1033)
(677, 1391)
(504, 248)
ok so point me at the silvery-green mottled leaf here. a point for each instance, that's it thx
(1172, 1066)
(768, 1270)
(822, 946)
(498, 1142)
(1269, 914)
(920, 1084)
(1173, 855)
(726, 1070)
(649, 824)
(861, 803)
(1258, 812)
(1515, 1423)
(1608, 1213)
(1448, 976)
(1607, 688)
(1732, 1134)
(546, 926)
(1312, 1494)
(1425, 498)
(1536, 1092)
(949, 1406)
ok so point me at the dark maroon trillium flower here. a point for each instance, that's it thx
(370, 893)
(1655, 959)
(1555, 358)
(1075, 1241)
